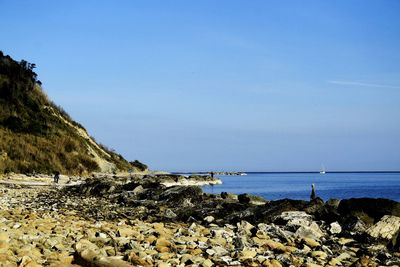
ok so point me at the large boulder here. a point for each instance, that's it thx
(300, 223)
(387, 230)
(185, 196)
(274, 208)
(369, 210)
(95, 187)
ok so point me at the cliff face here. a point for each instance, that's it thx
(38, 136)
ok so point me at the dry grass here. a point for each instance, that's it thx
(32, 135)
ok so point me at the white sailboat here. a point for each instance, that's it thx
(322, 171)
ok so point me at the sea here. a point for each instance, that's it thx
(339, 185)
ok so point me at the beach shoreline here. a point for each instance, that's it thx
(102, 222)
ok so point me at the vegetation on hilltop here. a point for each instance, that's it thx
(38, 136)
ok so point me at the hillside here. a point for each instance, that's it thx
(38, 136)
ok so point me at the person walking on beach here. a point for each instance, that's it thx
(212, 174)
(56, 176)
(313, 196)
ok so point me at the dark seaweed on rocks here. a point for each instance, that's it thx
(369, 210)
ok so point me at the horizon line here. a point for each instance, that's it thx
(358, 171)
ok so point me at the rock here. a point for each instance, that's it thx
(207, 263)
(335, 228)
(138, 190)
(170, 214)
(245, 228)
(314, 206)
(272, 263)
(274, 245)
(163, 245)
(354, 226)
(369, 210)
(310, 242)
(274, 208)
(295, 218)
(275, 232)
(228, 196)
(343, 256)
(125, 231)
(220, 251)
(301, 223)
(345, 241)
(182, 195)
(136, 260)
(101, 235)
(246, 254)
(244, 198)
(333, 203)
(311, 231)
(365, 261)
(310, 264)
(210, 252)
(387, 229)
(209, 219)
(319, 255)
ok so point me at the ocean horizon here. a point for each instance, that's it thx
(297, 185)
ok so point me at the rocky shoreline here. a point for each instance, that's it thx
(137, 220)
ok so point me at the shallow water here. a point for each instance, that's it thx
(274, 186)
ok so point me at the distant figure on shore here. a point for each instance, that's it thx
(212, 174)
(313, 196)
(56, 176)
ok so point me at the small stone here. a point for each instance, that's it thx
(274, 245)
(126, 232)
(344, 241)
(334, 262)
(309, 231)
(247, 254)
(343, 256)
(209, 219)
(134, 259)
(207, 263)
(101, 235)
(335, 228)
(319, 255)
(311, 242)
(211, 252)
(274, 263)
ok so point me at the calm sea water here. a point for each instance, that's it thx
(274, 186)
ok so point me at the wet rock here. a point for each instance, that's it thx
(369, 210)
(274, 208)
(182, 195)
(354, 226)
(244, 198)
(314, 206)
(228, 196)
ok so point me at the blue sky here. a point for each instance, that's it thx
(222, 85)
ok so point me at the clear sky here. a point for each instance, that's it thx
(222, 85)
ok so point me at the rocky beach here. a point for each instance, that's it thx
(137, 220)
